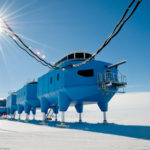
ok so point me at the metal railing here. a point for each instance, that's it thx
(114, 77)
(109, 79)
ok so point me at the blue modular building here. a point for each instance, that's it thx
(93, 82)
(2, 107)
(2, 102)
(27, 99)
(11, 104)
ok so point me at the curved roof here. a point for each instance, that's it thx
(74, 56)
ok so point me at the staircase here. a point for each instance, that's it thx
(49, 114)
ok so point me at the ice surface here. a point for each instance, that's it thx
(128, 128)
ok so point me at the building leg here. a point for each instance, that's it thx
(33, 117)
(62, 117)
(103, 107)
(43, 116)
(80, 117)
(19, 117)
(55, 117)
(27, 117)
(79, 109)
(14, 116)
(34, 112)
(104, 115)
(20, 110)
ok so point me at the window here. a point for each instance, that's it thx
(71, 56)
(51, 80)
(63, 59)
(87, 55)
(60, 61)
(57, 63)
(57, 76)
(79, 55)
(86, 73)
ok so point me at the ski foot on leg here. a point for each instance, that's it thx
(62, 125)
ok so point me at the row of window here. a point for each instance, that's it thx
(74, 56)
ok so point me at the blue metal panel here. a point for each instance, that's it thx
(11, 103)
(2, 107)
(73, 88)
(21, 95)
(2, 102)
(2, 110)
(58, 89)
(27, 98)
(31, 92)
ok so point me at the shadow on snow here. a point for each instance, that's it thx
(134, 131)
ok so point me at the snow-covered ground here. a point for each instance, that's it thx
(128, 128)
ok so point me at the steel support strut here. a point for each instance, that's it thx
(104, 115)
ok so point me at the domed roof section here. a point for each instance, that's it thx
(74, 56)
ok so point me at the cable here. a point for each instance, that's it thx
(24, 48)
(31, 53)
(114, 33)
(126, 11)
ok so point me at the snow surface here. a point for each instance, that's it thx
(128, 128)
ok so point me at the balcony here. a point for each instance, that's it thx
(111, 80)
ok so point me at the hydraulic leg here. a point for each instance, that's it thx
(33, 117)
(20, 110)
(104, 115)
(19, 117)
(44, 108)
(11, 116)
(8, 113)
(55, 117)
(27, 111)
(43, 116)
(34, 112)
(12, 113)
(79, 109)
(55, 111)
(103, 107)
(27, 117)
(80, 117)
(62, 117)
(14, 116)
